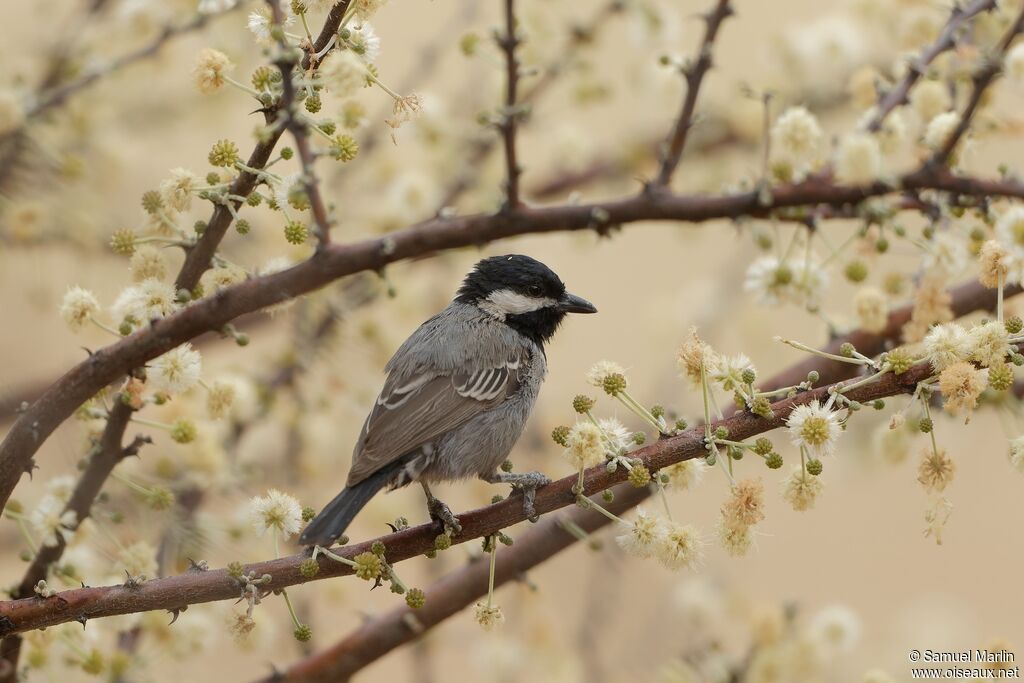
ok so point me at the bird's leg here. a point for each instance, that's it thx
(527, 482)
(440, 512)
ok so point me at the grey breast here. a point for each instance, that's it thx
(457, 367)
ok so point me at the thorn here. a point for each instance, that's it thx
(81, 619)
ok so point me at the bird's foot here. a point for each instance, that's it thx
(440, 512)
(528, 483)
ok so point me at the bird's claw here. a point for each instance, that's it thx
(440, 512)
(528, 483)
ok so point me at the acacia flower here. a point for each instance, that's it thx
(210, 70)
(364, 9)
(797, 139)
(929, 99)
(78, 307)
(684, 475)
(935, 471)
(994, 261)
(872, 309)
(219, 399)
(617, 439)
(644, 533)
(609, 376)
(745, 507)
(343, 73)
(695, 354)
(147, 262)
(990, 342)
(860, 159)
(52, 522)
(177, 190)
(365, 42)
(278, 511)
(488, 616)
(735, 538)
(730, 370)
(961, 384)
(137, 559)
(145, 301)
(836, 627)
(176, 371)
(801, 489)
(679, 547)
(584, 447)
(814, 427)
(940, 129)
(947, 344)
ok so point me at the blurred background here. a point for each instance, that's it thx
(311, 371)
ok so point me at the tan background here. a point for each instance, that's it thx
(862, 546)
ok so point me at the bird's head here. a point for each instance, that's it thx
(521, 292)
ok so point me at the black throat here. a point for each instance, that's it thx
(538, 326)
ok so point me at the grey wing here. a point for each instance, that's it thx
(422, 408)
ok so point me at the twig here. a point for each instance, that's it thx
(694, 73)
(981, 80)
(174, 592)
(510, 115)
(946, 41)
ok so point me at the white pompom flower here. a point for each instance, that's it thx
(276, 511)
(78, 307)
(814, 427)
(176, 371)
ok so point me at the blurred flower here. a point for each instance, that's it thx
(488, 616)
(935, 471)
(137, 559)
(365, 42)
(1013, 64)
(836, 627)
(872, 309)
(276, 510)
(214, 6)
(177, 190)
(51, 522)
(946, 255)
(643, 535)
(1016, 453)
(797, 139)
(736, 539)
(745, 506)
(940, 129)
(801, 489)
(994, 261)
(364, 9)
(78, 307)
(147, 262)
(343, 73)
(679, 547)
(860, 159)
(176, 371)
(684, 475)
(210, 69)
(219, 399)
(814, 427)
(929, 99)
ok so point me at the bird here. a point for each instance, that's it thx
(458, 393)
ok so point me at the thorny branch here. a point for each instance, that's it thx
(508, 42)
(694, 73)
(178, 591)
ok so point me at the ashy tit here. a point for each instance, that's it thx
(458, 393)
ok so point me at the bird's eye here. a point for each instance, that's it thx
(533, 290)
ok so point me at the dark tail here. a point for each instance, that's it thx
(339, 513)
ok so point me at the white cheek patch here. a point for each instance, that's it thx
(505, 302)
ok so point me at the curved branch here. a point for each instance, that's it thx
(454, 591)
(441, 233)
(193, 587)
